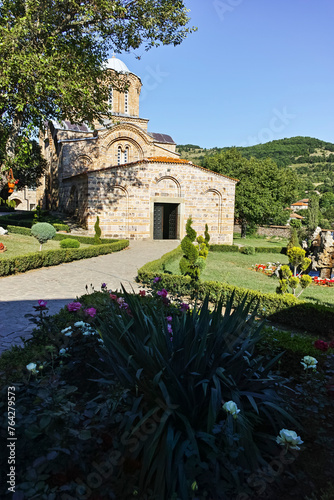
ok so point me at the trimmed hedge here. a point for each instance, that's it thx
(284, 309)
(88, 240)
(23, 263)
(19, 230)
(62, 227)
(235, 248)
(224, 248)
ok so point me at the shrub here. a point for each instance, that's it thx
(294, 240)
(98, 232)
(187, 264)
(43, 231)
(248, 250)
(224, 248)
(62, 227)
(70, 243)
(182, 371)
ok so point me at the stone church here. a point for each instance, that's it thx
(131, 178)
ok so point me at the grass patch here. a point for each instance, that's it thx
(19, 244)
(236, 269)
(260, 241)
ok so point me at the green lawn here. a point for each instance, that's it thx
(236, 269)
(260, 241)
(18, 244)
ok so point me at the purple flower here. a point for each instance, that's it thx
(169, 319)
(91, 311)
(124, 305)
(184, 307)
(169, 328)
(156, 279)
(163, 293)
(104, 285)
(74, 306)
(42, 303)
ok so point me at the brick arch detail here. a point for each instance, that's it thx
(126, 132)
(170, 178)
(220, 205)
(125, 190)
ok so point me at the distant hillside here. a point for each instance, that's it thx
(312, 159)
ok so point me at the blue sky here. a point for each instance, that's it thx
(256, 70)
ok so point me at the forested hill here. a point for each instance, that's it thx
(312, 159)
(283, 151)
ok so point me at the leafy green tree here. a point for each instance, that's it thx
(293, 279)
(263, 191)
(43, 231)
(313, 212)
(294, 240)
(52, 55)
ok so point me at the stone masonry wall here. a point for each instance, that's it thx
(124, 198)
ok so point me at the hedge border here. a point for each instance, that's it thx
(35, 260)
(283, 309)
(236, 248)
(88, 240)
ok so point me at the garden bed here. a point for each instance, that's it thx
(73, 417)
(22, 254)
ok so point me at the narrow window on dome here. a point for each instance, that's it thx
(119, 155)
(126, 102)
(110, 99)
(126, 155)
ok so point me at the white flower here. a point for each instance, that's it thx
(101, 341)
(289, 439)
(231, 407)
(309, 362)
(32, 368)
(81, 324)
(63, 351)
(68, 329)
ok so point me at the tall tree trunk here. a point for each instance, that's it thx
(243, 228)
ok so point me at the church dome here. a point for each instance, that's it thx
(117, 65)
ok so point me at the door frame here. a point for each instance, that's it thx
(180, 214)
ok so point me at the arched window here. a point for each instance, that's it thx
(110, 98)
(126, 155)
(126, 102)
(119, 155)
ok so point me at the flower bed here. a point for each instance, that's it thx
(323, 281)
(115, 377)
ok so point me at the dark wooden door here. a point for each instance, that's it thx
(172, 222)
(158, 221)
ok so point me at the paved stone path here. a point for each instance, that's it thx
(61, 284)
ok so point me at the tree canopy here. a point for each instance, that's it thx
(52, 54)
(263, 191)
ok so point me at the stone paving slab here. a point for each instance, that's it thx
(61, 284)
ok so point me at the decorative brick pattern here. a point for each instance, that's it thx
(119, 171)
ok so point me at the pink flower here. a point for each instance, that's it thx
(184, 307)
(42, 303)
(142, 293)
(74, 306)
(321, 345)
(113, 296)
(163, 293)
(91, 311)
